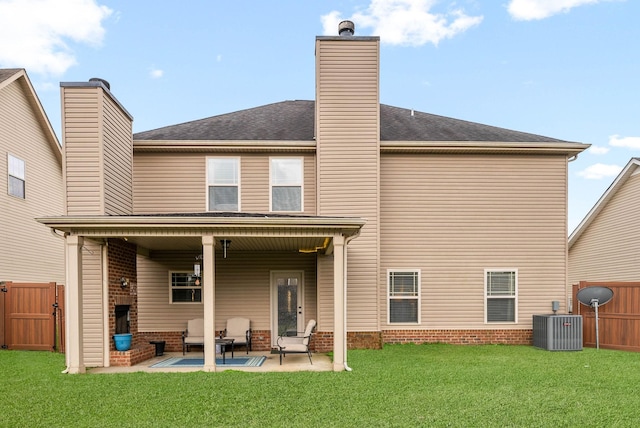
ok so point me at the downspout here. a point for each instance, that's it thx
(346, 243)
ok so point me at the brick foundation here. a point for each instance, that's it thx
(323, 341)
(460, 337)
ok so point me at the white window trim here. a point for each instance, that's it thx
(9, 175)
(418, 297)
(301, 159)
(206, 184)
(515, 296)
(171, 272)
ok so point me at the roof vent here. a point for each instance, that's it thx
(346, 28)
(104, 82)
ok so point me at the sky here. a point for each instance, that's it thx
(567, 69)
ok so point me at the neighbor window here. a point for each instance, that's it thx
(223, 180)
(286, 184)
(185, 287)
(404, 296)
(501, 287)
(16, 176)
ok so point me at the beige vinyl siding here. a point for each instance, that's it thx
(118, 154)
(608, 249)
(92, 304)
(452, 216)
(83, 157)
(347, 127)
(29, 252)
(177, 183)
(240, 291)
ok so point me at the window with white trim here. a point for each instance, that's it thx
(286, 176)
(501, 289)
(403, 296)
(16, 168)
(185, 287)
(223, 184)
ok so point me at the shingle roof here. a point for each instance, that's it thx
(294, 121)
(5, 73)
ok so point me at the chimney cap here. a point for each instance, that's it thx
(346, 28)
(104, 82)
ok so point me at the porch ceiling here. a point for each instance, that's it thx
(238, 243)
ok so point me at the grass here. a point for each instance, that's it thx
(399, 386)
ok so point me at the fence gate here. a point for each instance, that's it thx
(31, 315)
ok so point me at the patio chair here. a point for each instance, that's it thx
(193, 335)
(297, 344)
(238, 329)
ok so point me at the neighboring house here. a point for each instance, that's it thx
(603, 247)
(31, 258)
(383, 224)
(31, 168)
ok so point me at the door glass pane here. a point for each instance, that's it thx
(287, 306)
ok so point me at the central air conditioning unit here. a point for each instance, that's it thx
(557, 332)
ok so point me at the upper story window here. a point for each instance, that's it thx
(16, 168)
(286, 184)
(501, 287)
(403, 296)
(223, 184)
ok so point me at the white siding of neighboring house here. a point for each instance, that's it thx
(608, 249)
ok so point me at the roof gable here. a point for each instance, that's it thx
(19, 75)
(295, 120)
(618, 183)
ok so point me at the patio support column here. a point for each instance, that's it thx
(339, 305)
(73, 305)
(209, 301)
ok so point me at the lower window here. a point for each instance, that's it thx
(185, 288)
(501, 286)
(404, 296)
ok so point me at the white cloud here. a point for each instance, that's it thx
(405, 22)
(219, 58)
(598, 150)
(40, 31)
(599, 171)
(528, 10)
(156, 73)
(628, 142)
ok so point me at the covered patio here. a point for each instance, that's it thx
(205, 234)
(292, 363)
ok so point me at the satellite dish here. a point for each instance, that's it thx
(595, 296)
(589, 295)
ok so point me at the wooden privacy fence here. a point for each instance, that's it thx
(32, 316)
(619, 320)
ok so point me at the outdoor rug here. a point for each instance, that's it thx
(199, 362)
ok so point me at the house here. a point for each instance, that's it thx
(381, 223)
(602, 247)
(603, 252)
(31, 258)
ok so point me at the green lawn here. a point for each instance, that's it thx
(401, 385)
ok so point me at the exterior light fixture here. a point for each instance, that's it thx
(124, 282)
